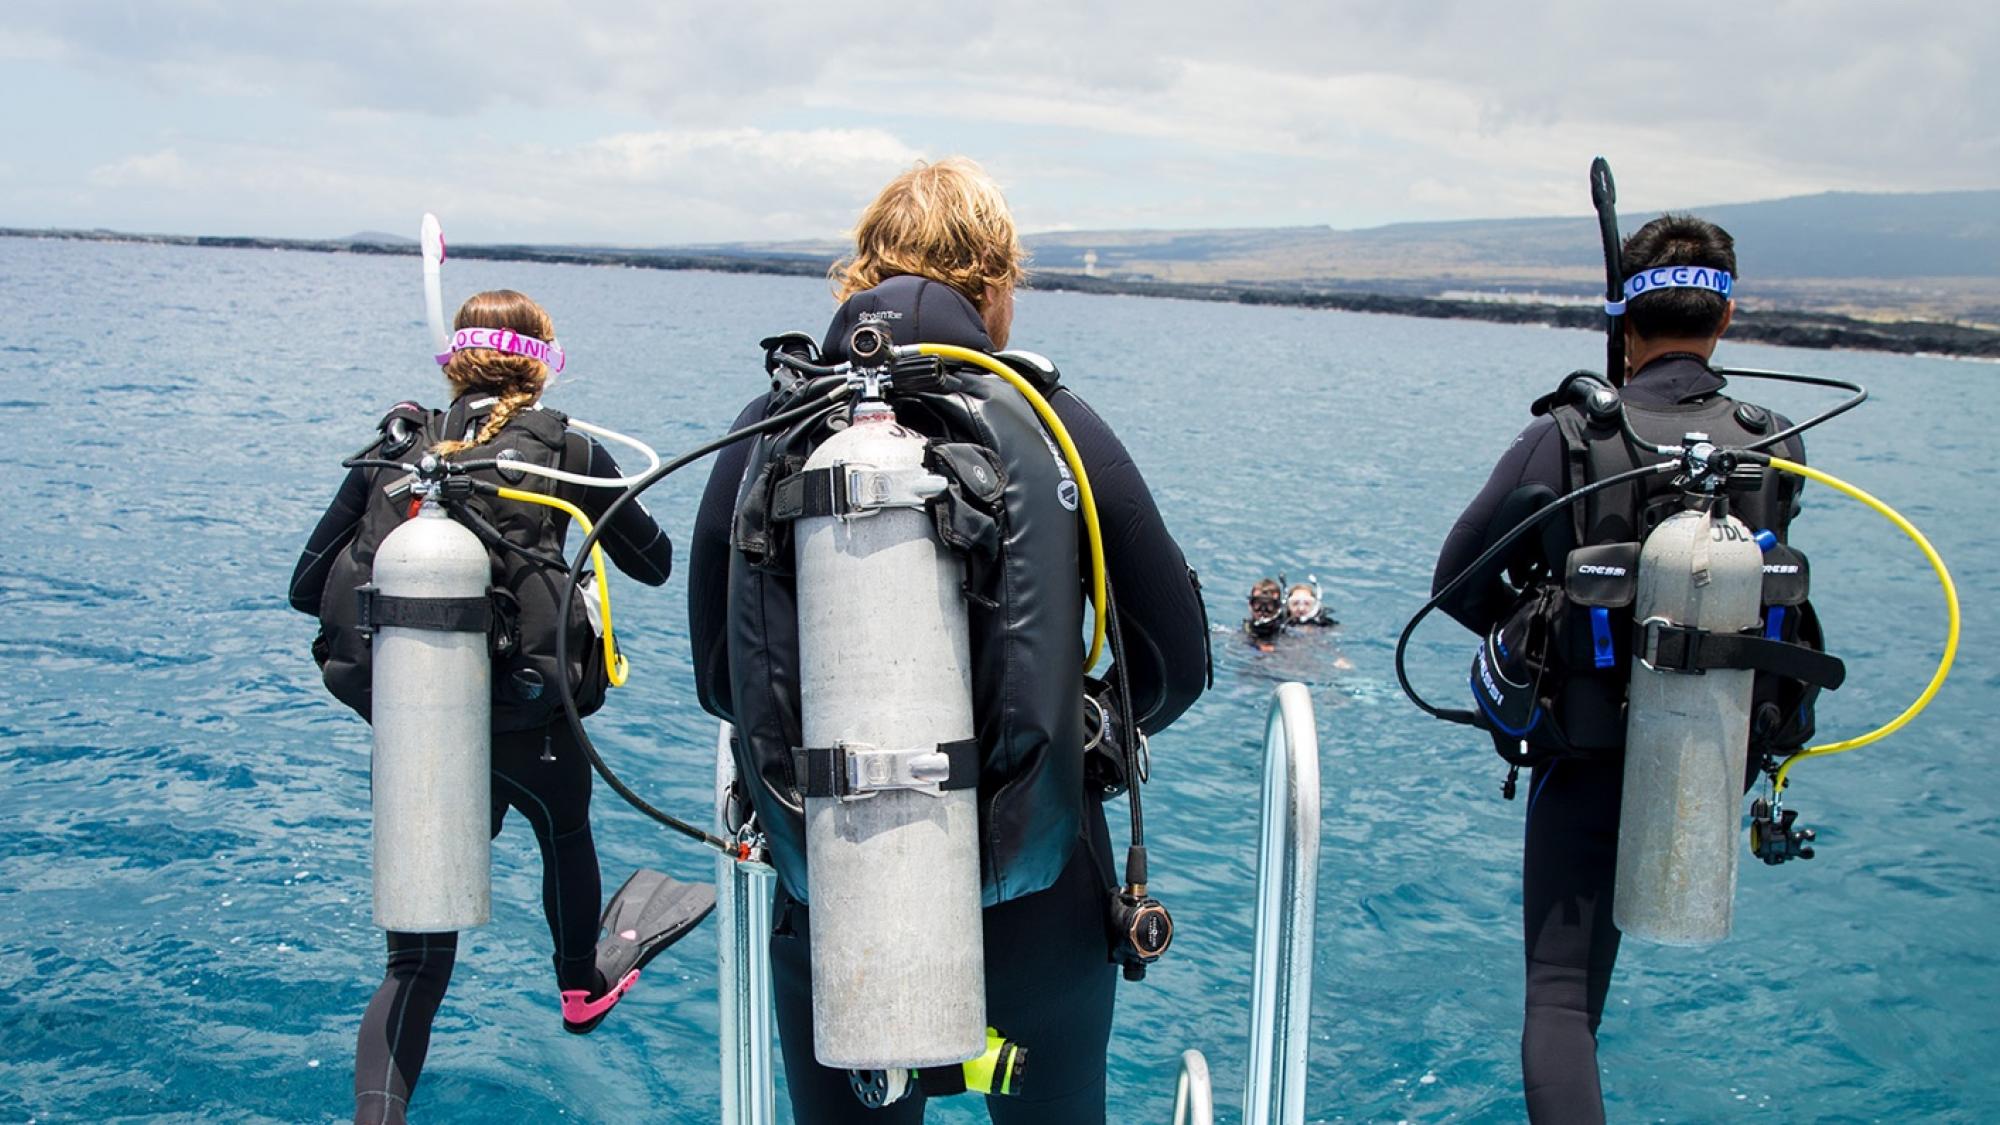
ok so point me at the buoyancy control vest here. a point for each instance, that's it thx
(526, 595)
(1010, 511)
(1574, 619)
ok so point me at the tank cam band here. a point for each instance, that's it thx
(376, 610)
(854, 770)
(1666, 647)
(846, 490)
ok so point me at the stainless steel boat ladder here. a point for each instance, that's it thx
(1281, 974)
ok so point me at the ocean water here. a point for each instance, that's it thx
(184, 929)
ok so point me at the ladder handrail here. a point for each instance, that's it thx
(1194, 1095)
(1287, 898)
(743, 956)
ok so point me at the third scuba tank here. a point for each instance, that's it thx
(432, 716)
(1687, 729)
(890, 761)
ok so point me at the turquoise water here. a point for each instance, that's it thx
(184, 925)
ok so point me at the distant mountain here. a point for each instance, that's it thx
(1851, 234)
(1831, 236)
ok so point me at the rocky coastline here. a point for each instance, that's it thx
(1790, 329)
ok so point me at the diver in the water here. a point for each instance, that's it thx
(1267, 612)
(1304, 607)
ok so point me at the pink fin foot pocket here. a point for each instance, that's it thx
(581, 1013)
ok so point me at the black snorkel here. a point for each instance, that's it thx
(1604, 197)
(1601, 401)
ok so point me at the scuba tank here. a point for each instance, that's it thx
(432, 697)
(1687, 728)
(890, 761)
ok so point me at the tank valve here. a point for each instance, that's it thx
(1772, 837)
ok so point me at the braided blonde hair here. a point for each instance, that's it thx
(516, 381)
(946, 221)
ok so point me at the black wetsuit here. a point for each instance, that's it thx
(1570, 853)
(541, 772)
(1049, 981)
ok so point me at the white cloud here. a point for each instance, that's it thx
(151, 170)
(768, 117)
(664, 186)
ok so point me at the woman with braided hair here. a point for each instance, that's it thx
(504, 353)
(514, 379)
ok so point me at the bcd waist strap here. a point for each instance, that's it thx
(1666, 647)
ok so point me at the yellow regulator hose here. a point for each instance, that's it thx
(1951, 632)
(1086, 500)
(616, 668)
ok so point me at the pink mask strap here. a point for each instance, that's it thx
(505, 340)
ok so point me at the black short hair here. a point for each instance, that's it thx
(1678, 240)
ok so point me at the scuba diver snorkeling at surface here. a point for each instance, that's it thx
(1028, 883)
(1648, 646)
(1277, 609)
(501, 356)
(1305, 609)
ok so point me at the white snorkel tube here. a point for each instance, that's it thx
(430, 240)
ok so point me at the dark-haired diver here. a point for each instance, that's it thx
(1267, 615)
(1672, 319)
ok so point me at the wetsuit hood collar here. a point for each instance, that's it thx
(1674, 378)
(916, 310)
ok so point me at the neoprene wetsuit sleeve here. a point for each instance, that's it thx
(1160, 617)
(708, 571)
(336, 526)
(637, 544)
(1533, 463)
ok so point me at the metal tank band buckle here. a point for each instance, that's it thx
(844, 491)
(853, 771)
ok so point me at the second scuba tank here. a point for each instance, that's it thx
(892, 820)
(1687, 730)
(432, 713)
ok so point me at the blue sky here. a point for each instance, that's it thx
(675, 123)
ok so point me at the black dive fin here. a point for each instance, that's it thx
(649, 913)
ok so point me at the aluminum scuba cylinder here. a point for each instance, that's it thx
(432, 715)
(898, 960)
(1687, 732)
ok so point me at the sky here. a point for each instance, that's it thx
(642, 124)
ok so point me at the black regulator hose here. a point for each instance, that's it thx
(1479, 564)
(1133, 776)
(818, 405)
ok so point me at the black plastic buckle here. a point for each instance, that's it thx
(1666, 647)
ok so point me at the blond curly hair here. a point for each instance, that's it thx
(946, 221)
(516, 381)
